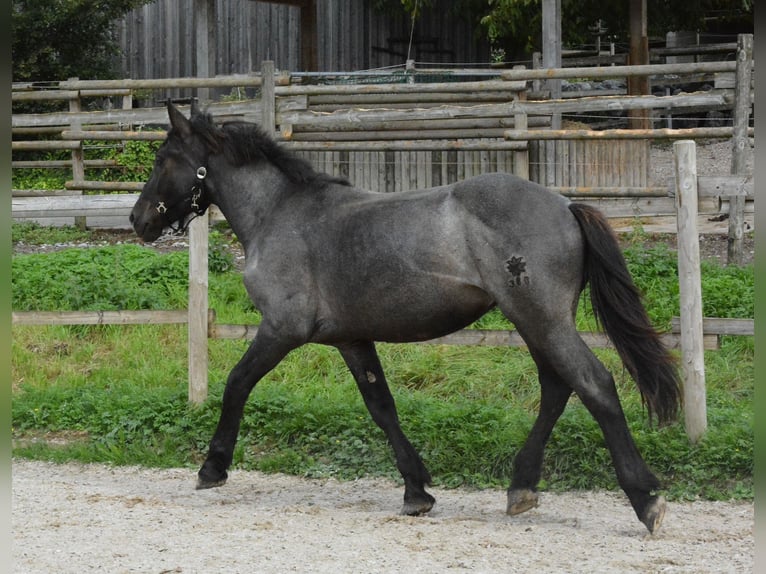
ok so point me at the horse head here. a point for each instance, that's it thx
(175, 192)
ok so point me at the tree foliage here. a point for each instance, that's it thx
(519, 20)
(57, 39)
(516, 25)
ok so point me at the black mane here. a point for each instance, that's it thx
(246, 143)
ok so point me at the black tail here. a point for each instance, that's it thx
(618, 308)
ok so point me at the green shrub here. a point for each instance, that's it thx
(122, 390)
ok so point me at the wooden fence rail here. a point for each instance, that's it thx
(402, 135)
(690, 333)
(440, 155)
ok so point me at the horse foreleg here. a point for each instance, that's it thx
(363, 362)
(263, 354)
(528, 463)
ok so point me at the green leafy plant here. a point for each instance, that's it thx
(118, 393)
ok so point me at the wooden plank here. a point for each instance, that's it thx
(330, 102)
(622, 103)
(44, 95)
(720, 326)
(618, 71)
(351, 118)
(89, 163)
(44, 145)
(112, 135)
(642, 206)
(509, 87)
(247, 109)
(73, 205)
(468, 337)
(435, 133)
(402, 145)
(618, 134)
(228, 81)
(105, 185)
(611, 192)
(43, 192)
(138, 317)
(491, 123)
(714, 186)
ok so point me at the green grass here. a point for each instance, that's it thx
(118, 394)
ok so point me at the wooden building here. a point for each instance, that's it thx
(162, 39)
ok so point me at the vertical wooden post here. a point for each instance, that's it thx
(204, 14)
(690, 290)
(551, 59)
(740, 145)
(639, 55)
(127, 101)
(78, 158)
(521, 122)
(198, 308)
(268, 97)
(309, 36)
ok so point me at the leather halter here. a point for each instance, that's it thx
(197, 193)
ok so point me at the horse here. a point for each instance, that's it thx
(328, 263)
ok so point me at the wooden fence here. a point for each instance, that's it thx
(397, 136)
(691, 333)
(437, 121)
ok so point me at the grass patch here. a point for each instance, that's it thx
(118, 394)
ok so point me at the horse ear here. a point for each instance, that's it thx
(178, 121)
(195, 108)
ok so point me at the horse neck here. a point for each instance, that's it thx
(246, 196)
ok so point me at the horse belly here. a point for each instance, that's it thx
(407, 312)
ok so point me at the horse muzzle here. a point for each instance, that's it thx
(147, 221)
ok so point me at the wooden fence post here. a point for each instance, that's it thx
(690, 291)
(78, 158)
(268, 97)
(740, 146)
(521, 122)
(198, 308)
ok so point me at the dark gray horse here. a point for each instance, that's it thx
(329, 263)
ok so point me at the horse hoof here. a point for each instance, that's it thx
(520, 501)
(418, 507)
(655, 512)
(204, 482)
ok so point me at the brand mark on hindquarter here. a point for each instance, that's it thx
(517, 267)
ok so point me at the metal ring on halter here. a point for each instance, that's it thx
(161, 207)
(201, 173)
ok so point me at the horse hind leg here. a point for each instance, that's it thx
(574, 364)
(362, 360)
(528, 462)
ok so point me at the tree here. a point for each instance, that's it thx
(57, 39)
(516, 25)
(519, 20)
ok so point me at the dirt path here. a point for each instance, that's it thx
(74, 518)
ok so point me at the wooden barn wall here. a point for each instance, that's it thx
(158, 40)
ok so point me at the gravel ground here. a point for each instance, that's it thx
(75, 518)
